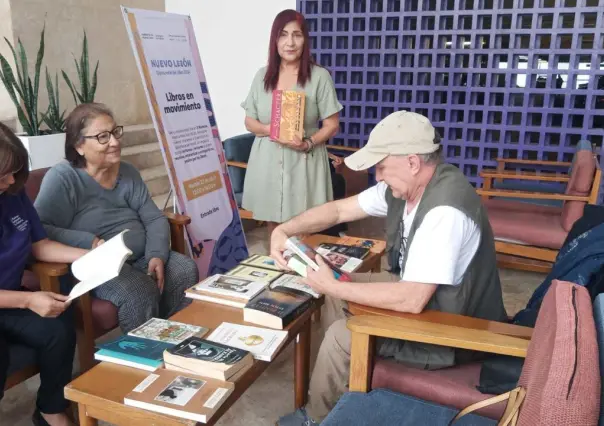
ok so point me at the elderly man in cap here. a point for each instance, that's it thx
(439, 245)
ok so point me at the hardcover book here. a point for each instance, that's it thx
(180, 395)
(287, 115)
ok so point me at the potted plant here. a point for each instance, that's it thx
(87, 85)
(46, 147)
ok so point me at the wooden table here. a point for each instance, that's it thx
(100, 391)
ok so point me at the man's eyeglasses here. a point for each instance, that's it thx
(105, 137)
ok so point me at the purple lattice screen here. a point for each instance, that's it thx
(498, 78)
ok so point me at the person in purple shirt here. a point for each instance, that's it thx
(34, 319)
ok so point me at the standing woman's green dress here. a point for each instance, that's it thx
(280, 182)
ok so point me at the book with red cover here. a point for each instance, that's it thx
(287, 115)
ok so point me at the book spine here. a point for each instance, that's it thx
(290, 317)
(300, 115)
(276, 114)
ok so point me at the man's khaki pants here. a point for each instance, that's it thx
(329, 378)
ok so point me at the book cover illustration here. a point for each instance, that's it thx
(180, 390)
(345, 263)
(261, 261)
(254, 274)
(287, 115)
(350, 251)
(167, 331)
(261, 342)
(205, 350)
(136, 346)
(281, 302)
(307, 255)
(238, 285)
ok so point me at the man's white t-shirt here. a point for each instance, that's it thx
(443, 245)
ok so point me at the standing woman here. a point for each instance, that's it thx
(286, 178)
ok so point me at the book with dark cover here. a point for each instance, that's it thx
(277, 308)
(204, 350)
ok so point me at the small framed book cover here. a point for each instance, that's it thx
(181, 395)
(260, 261)
(254, 274)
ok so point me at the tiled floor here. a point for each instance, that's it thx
(272, 395)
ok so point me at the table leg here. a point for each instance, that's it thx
(302, 365)
(84, 419)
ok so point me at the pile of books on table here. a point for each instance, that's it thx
(194, 372)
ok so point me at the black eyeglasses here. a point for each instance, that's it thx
(105, 137)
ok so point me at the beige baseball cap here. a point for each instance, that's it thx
(401, 133)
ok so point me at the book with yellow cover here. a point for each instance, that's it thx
(287, 115)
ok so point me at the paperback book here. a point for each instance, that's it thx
(287, 115)
(277, 308)
(167, 331)
(226, 290)
(132, 351)
(300, 255)
(260, 261)
(180, 395)
(294, 282)
(261, 342)
(207, 358)
(254, 274)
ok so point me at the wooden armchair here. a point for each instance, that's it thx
(97, 317)
(528, 236)
(40, 276)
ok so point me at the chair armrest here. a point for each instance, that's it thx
(438, 334)
(524, 175)
(239, 164)
(444, 318)
(533, 195)
(178, 219)
(534, 162)
(50, 269)
(341, 148)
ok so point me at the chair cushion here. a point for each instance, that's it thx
(561, 374)
(104, 316)
(20, 357)
(32, 186)
(238, 148)
(238, 198)
(383, 407)
(580, 183)
(529, 223)
(451, 387)
(599, 320)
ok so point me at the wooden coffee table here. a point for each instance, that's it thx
(100, 391)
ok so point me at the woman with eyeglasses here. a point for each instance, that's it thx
(93, 196)
(33, 319)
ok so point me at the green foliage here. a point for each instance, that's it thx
(22, 92)
(87, 86)
(53, 118)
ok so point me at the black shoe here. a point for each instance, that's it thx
(38, 420)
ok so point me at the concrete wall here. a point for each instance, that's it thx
(119, 82)
(7, 109)
(233, 40)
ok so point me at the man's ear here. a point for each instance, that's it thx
(414, 163)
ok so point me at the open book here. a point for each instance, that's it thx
(99, 265)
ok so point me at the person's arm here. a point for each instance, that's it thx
(157, 228)
(52, 251)
(256, 127)
(329, 128)
(55, 205)
(315, 220)
(43, 303)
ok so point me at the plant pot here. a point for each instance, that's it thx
(44, 151)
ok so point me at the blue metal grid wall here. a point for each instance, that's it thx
(510, 78)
